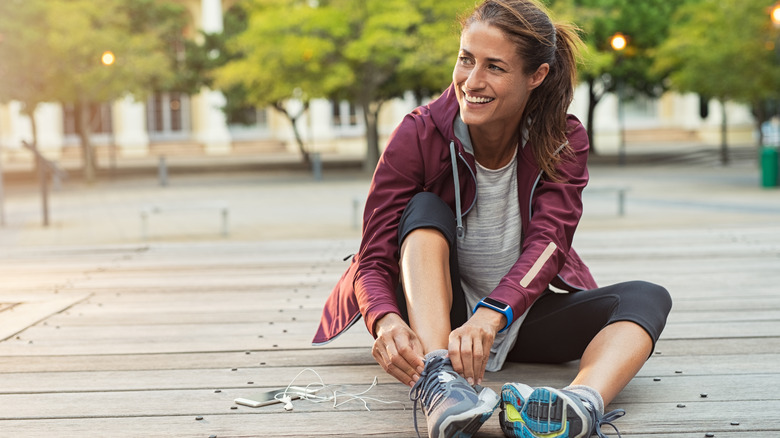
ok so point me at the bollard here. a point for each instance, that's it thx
(316, 166)
(769, 166)
(162, 171)
(355, 213)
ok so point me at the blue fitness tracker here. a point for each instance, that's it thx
(499, 307)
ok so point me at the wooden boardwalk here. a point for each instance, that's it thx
(157, 340)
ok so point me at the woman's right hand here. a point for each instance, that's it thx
(397, 349)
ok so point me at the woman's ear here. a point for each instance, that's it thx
(539, 75)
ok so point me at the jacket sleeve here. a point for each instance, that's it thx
(398, 177)
(556, 208)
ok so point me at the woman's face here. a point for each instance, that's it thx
(490, 84)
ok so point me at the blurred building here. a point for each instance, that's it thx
(194, 125)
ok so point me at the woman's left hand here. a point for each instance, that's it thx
(469, 344)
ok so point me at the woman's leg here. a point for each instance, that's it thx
(425, 277)
(613, 358)
(429, 294)
(431, 300)
(612, 330)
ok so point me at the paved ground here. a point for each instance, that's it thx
(269, 205)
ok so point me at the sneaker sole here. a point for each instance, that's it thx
(548, 413)
(513, 398)
(467, 423)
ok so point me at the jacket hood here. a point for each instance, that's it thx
(443, 111)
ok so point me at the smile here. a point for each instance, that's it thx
(475, 99)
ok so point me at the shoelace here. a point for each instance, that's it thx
(607, 419)
(425, 390)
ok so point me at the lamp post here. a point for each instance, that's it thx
(619, 42)
(108, 58)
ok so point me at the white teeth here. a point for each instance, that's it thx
(474, 99)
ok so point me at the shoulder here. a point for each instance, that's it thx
(576, 134)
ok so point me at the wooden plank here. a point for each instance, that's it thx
(32, 309)
(682, 373)
(717, 346)
(645, 419)
(180, 338)
(185, 361)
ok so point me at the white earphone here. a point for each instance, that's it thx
(288, 406)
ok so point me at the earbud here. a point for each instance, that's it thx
(288, 406)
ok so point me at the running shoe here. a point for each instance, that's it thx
(452, 407)
(550, 413)
(513, 397)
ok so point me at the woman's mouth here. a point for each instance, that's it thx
(475, 99)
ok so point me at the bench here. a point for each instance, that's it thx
(149, 210)
(620, 191)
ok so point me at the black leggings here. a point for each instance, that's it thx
(559, 326)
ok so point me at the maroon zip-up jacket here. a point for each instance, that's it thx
(418, 158)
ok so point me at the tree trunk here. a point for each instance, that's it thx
(29, 111)
(371, 118)
(279, 106)
(593, 100)
(89, 163)
(724, 151)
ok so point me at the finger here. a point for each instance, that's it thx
(379, 353)
(383, 358)
(467, 358)
(400, 375)
(402, 356)
(479, 362)
(413, 354)
(454, 353)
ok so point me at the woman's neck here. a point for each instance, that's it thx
(493, 150)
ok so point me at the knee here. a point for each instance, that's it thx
(427, 238)
(654, 296)
(427, 211)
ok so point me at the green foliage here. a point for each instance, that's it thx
(723, 49)
(24, 73)
(364, 51)
(645, 23)
(51, 49)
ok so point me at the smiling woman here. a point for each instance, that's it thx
(467, 228)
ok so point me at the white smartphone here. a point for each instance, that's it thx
(271, 397)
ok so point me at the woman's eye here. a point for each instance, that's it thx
(464, 60)
(495, 67)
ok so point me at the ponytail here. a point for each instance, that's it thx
(549, 102)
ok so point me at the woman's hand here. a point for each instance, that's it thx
(470, 344)
(397, 349)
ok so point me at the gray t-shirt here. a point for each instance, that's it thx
(491, 243)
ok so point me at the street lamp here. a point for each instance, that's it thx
(108, 58)
(774, 12)
(619, 42)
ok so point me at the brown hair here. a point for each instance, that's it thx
(539, 41)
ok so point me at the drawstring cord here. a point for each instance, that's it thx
(456, 178)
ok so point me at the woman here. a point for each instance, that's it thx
(468, 225)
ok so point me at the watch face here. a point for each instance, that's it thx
(495, 303)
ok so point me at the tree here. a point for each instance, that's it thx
(646, 25)
(364, 51)
(724, 49)
(52, 52)
(25, 74)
